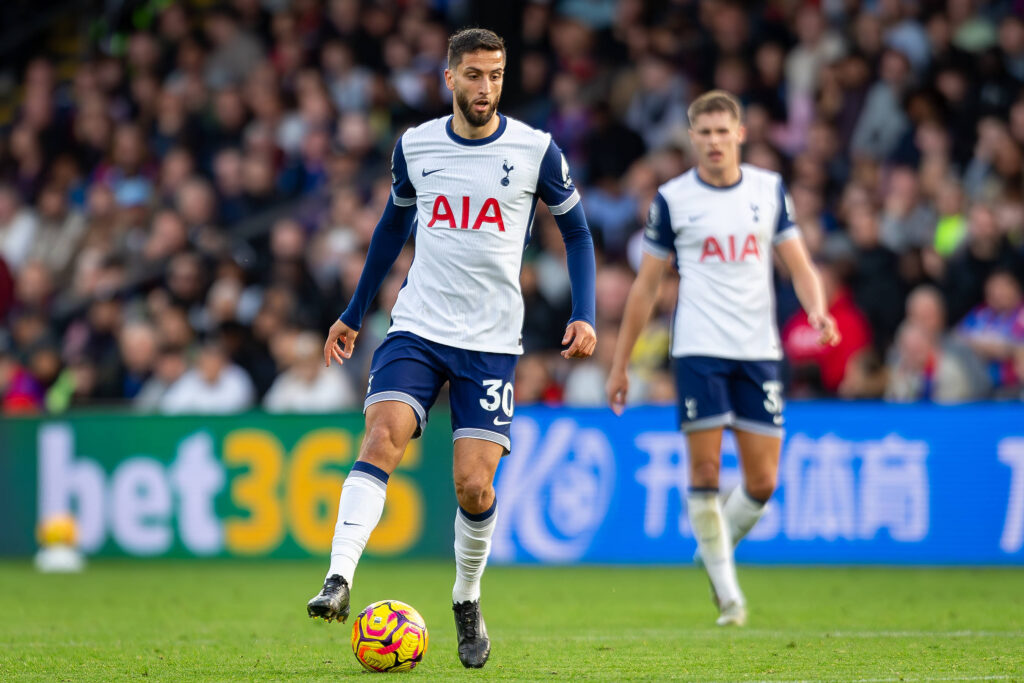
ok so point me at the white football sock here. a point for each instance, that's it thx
(359, 510)
(472, 546)
(714, 544)
(741, 513)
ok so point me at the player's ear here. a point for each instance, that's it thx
(741, 134)
(449, 79)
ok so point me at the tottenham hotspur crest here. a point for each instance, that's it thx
(566, 180)
(507, 169)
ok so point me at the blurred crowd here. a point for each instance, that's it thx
(186, 209)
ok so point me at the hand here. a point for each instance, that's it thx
(617, 387)
(583, 340)
(826, 326)
(339, 332)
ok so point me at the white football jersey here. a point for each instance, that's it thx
(722, 238)
(475, 202)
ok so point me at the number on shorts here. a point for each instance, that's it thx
(499, 396)
(773, 397)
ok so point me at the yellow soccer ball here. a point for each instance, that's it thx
(57, 530)
(389, 636)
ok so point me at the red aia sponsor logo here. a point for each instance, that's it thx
(726, 251)
(443, 215)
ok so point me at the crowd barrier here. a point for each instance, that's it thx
(859, 483)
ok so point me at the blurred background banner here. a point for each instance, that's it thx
(859, 483)
(188, 189)
(248, 485)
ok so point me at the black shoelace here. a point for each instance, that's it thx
(467, 619)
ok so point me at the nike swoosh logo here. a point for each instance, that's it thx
(697, 217)
(351, 524)
(499, 423)
(426, 172)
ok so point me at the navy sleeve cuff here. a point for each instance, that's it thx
(579, 256)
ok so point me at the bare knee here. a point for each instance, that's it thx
(704, 474)
(762, 486)
(475, 493)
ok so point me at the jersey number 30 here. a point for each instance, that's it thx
(498, 395)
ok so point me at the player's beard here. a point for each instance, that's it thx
(466, 107)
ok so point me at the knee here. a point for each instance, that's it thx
(704, 474)
(762, 486)
(475, 493)
(381, 436)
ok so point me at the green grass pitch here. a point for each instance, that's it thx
(221, 620)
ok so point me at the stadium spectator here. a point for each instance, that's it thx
(657, 111)
(875, 282)
(541, 318)
(75, 387)
(18, 225)
(20, 393)
(59, 232)
(34, 288)
(883, 121)
(926, 310)
(214, 386)
(235, 50)
(306, 386)
(138, 170)
(951, 227)
(994, 329)
(168, 367)
(534, 383)
(907, 221)
(920, 371)
(138, 346)
(816, 369)
(984, 250)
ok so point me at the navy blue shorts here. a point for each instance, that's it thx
(412, 370)
(719, 392)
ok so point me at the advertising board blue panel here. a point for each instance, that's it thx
(858, 483)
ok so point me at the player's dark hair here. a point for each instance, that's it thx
(715, 100)
(470, 40)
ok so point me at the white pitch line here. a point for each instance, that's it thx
(901, 679)
(933, 678)
(771, 633)
(925, 634)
